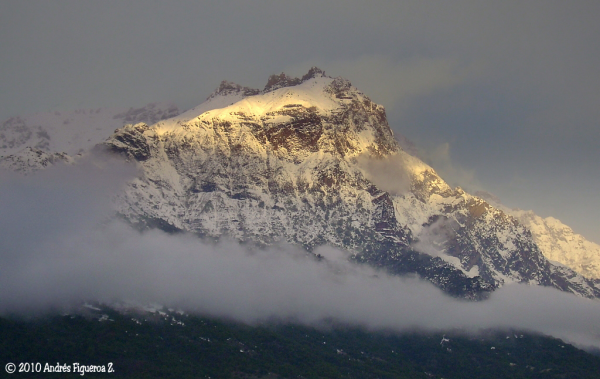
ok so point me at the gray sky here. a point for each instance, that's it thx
(501, 96)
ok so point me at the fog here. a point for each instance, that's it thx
(59, 247)
(389, 173)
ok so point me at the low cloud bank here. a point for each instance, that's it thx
(64, 251)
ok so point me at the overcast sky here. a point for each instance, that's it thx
(502, 96)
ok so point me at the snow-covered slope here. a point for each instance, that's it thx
(230, 170)
(28, 143)
(312, 161)
(31, 159)
(557, 241)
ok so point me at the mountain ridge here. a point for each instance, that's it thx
(313, 161)
(558, 241)
(283, 164)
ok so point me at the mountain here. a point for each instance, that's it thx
(312, 161)
(33, 142)
(561, 244)
(309, 161)
(557, 241)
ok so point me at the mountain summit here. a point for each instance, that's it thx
(312, 161)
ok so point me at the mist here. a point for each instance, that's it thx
(389, 173)
(59, 246)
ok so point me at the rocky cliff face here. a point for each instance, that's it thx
(313, 161)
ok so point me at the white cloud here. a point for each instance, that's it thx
(388, 173)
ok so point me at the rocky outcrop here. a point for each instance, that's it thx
(30, 160)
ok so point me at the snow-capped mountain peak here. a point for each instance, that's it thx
(312, 161)
(294, 114)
